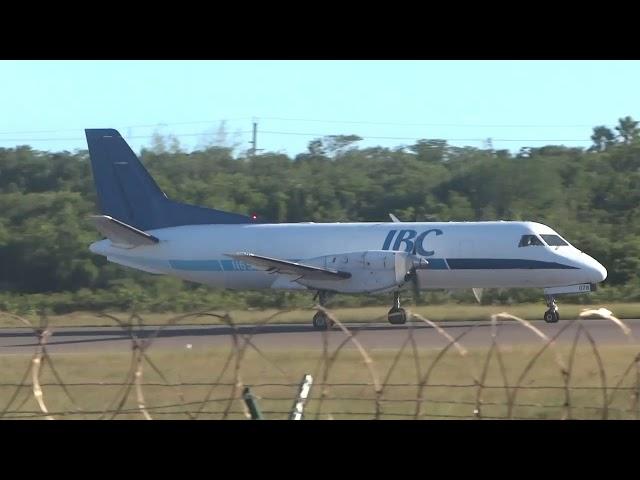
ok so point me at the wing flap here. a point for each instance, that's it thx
(286, 267)
(121, 234)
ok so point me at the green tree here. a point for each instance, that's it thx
(592, 198)
(602, 138)
(337, 144)
(316, 147)
(627, 129)
(430, 150)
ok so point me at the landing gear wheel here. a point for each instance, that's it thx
(551, 316)
(321, 321)
(397, 316)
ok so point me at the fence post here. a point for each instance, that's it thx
(252, 405)
(303, 394)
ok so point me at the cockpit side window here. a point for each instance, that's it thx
(529, 241)
(554, 240)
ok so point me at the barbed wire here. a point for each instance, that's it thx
(499, 380)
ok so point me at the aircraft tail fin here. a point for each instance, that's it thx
(128, 193)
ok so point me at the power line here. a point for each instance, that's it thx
(315, 135)
(318, 135)
(188, 123)
(365, 122)
(158, 124)
(352, 122)
(55, 139)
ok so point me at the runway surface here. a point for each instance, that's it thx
(303, 336)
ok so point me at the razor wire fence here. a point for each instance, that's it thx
(565, 374)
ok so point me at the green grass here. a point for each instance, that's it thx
(441, 399)
(365, 314)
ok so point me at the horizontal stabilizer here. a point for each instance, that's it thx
(121, 234)
(274, 265)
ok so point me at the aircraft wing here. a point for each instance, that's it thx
(121, 234)
(286, 267)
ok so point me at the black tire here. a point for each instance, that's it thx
(551, 316)
(397, 316)
(321, 321)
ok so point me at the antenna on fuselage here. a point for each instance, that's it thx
(394, 219)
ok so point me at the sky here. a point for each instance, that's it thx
(47, 104)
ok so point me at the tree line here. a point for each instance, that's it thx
(591, 196)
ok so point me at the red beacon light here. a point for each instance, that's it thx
(254, 216)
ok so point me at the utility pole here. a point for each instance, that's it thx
(254, 141)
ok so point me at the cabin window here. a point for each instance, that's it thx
(529, 241)
(554, 240)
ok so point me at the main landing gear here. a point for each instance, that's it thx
(552, 315)
(397, 315)
(321, 320)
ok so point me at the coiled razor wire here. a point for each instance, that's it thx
(321, 391)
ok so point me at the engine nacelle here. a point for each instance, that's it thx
(371, 271)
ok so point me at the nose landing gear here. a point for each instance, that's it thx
(552, 315)
(397, 315)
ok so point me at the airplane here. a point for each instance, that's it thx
(147, 231)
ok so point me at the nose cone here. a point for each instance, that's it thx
(595, 270)
(602, 272)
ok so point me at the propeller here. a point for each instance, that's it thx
(477, 292)
(412, 274)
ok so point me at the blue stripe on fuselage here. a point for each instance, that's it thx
(503, 264)
(196, 265)
(235, 266)
(434, 264)
(211, 265)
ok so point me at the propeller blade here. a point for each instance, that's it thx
(477, 292)
(415, 283)
(413, 261)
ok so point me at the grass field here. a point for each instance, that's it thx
(364, 314)
(450, 391)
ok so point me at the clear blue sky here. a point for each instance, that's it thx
(47, 104)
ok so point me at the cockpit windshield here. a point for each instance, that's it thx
(554, 241)
(530, 241)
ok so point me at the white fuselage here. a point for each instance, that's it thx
(459, 254)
